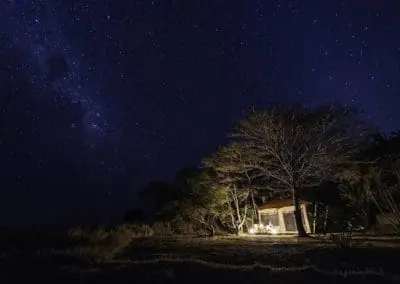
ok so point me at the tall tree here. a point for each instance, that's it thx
(295, 147)
(384, 157)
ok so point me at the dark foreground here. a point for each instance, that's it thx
(226, 260)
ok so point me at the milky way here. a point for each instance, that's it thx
(114, 93)
(54, 66)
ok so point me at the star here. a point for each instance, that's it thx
(105, 92)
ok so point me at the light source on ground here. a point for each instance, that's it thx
(274, 231)
(263, 229)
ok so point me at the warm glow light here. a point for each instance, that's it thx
(274, 231)
(269, 227)
(264, 229)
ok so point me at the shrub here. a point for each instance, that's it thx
(140, 230)
(342, 240)
(99, 245)
(162, 229)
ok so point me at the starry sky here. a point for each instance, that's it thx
(98, 97)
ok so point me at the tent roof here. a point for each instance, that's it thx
(278, 203)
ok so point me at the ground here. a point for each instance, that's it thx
(256, 259)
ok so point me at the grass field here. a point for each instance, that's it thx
(254, 259)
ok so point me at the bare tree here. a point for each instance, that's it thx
(296, 147)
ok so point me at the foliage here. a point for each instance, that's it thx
(191, 203)
(343, 222)
(282, 151)
(387, 160)
(357, 201)
(140, 230)
(88, 245)
(98, 245)
(232, 177)
(289, 148)
(387, 197)
(375, 178)
(343, 239)
(204, 201)
(162, 229)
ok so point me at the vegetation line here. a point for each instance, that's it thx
(273, 269)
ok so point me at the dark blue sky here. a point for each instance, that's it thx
(98, 97)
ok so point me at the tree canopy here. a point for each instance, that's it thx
(285, 151)
(290, 148)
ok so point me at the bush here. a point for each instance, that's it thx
(177, 226)
(99, 245)
(162, 229)
(342, 240)
(88, 245)
(183, 226)
(140, 230)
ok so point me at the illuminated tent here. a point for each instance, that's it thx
(277, 217)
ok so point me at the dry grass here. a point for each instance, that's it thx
(272, 253)
(140, 253)
(93, 245)
(99, 245)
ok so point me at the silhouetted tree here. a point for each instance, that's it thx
(192, 196)
(373, 181)
(296, 147)
(385, 155)
(159, 199)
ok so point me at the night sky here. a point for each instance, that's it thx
(99, 97)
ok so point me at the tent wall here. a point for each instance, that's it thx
(282, 212)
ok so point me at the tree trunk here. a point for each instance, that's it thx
(243, 219)
(366, 204)
(366, 218)
(315, 217)
(237, 232)
(238, 219)
(371, 217)
(326, 218)
(255, 209)
(232, 217)
(211, 231)
(301, 232)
